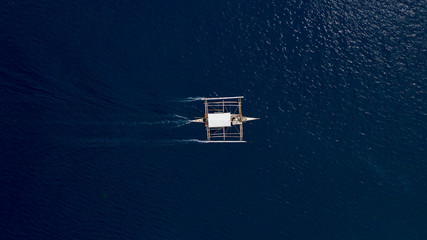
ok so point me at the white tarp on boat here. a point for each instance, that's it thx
(219, 120)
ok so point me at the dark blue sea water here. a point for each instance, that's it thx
(95, 98)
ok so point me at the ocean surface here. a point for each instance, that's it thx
(96, 98)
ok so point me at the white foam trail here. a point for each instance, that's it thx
(173, 142)
(189, 99)
(109, 142)
(191, 141)
(160, 123)
(179, 116)
(116, 142)
(166, 123)
(182, 121)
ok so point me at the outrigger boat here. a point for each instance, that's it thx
(224, 120)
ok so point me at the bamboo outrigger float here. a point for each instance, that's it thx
(224, 120)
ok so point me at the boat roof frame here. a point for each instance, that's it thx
(233, 105)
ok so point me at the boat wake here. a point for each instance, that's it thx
(188, 99)
(175, 121)
(117, 142)
(161, 123)
(186, 141)
(177, 142)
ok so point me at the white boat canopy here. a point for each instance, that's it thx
(219, 120)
